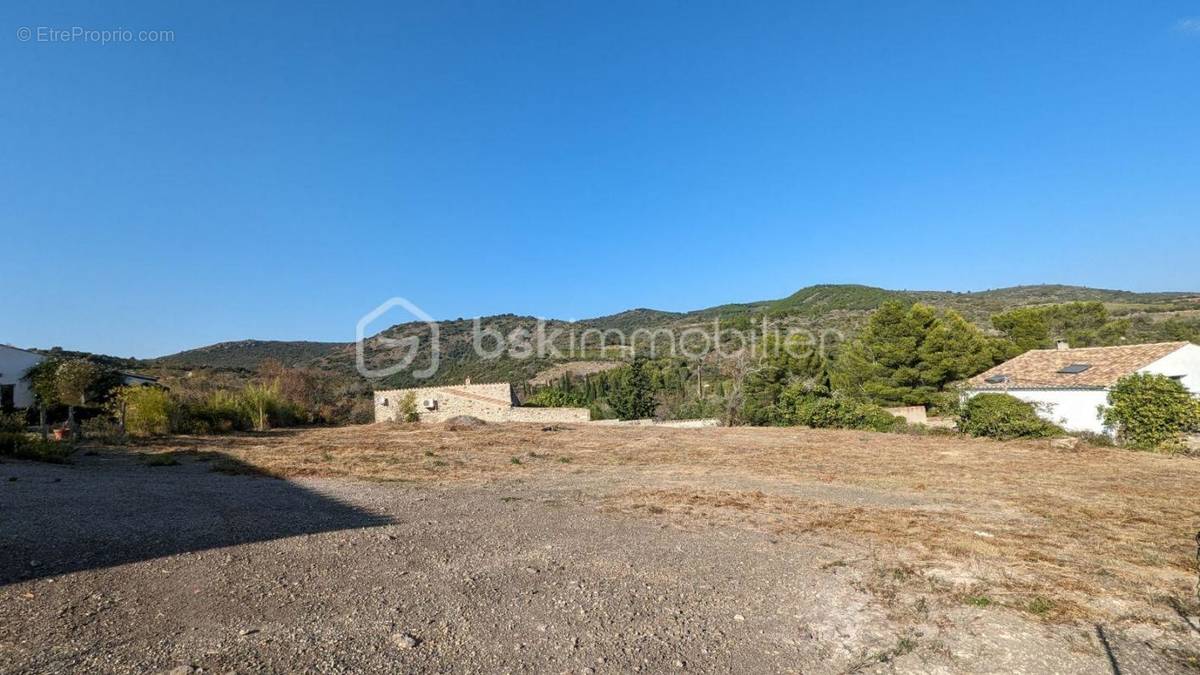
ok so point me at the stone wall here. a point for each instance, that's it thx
(488, 402)
(913, 414)
(670, 424)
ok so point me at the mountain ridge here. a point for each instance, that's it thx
(840, 305)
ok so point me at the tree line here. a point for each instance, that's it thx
(907, 354)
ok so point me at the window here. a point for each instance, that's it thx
(8, 394)
(1074, 368)
(997, 379)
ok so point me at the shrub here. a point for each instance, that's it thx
(1003, 416)
(361, 411)
(13, 422)
(148, 410)
(1151, 411)
(843, 413)
(101, 429)
(552, 397)
(258, 400)
(221, 412)
(1095, 439)
(408, 408)
(24, 446)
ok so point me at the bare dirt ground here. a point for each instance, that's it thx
(599, 549)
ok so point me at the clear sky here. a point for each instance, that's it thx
(277, 171)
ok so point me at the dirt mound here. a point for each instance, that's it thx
(461, 422)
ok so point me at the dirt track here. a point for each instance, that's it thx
(113, 565)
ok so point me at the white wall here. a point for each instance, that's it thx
(1076, 409)
(1185, 361)
(1071, 409)
(13, 364)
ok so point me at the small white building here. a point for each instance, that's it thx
(14, 362)
(15, 392)
(1070, 386)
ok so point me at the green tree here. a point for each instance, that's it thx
(1082, 324)
(74, 380)
(43, 384)
(787, 366)
(1025, 327)
(633, 398)
(954, 350)
(1151, 411)
(910, 355)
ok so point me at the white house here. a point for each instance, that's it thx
(14, 392)
(1069, 386)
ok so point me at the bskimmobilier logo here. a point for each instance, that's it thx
(398, 349)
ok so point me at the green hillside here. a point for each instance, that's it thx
(249, 354)
(842, 307)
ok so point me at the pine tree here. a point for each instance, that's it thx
(633, 397)
(910, 355)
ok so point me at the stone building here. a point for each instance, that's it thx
(489, 402)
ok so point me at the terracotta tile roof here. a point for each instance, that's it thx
(1039, 368)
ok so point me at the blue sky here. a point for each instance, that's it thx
(277, 171)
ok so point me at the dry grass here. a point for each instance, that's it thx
(1061, 534)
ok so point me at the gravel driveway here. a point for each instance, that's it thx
(111, 565)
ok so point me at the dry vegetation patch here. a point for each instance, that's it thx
(1093, 532)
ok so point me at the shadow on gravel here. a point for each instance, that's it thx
(110, 510)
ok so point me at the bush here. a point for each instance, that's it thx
(24, 446)
(843, 413)
(1003, 416)
(101, 429)
(256, 407)
(13, 422)
(1151, 412)
(148, 410)
(408, 408)
(555, 398)
(221, 412)
(360, 411)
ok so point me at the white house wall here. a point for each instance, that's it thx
(13, 364)
(1071, 409)
(1184, 361)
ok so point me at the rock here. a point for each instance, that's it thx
(738, 617)
(1064, 443)
(463, 422)
(405, 640)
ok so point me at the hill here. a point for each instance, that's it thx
(249, 354)
(842, 307)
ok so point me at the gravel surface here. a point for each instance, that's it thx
(109, 565)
